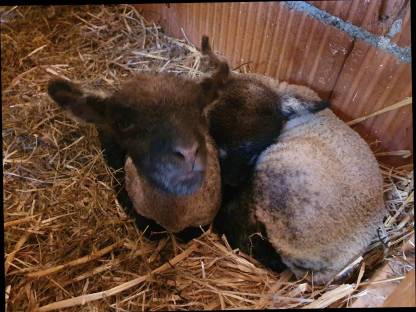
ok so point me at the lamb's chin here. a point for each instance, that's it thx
(178, 185)
(188, 184)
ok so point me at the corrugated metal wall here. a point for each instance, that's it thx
(288, 44)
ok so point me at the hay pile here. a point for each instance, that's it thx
(67, 241)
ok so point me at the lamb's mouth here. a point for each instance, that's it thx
(188, 177)
(189, 183)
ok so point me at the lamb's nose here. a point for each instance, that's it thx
(187, 153)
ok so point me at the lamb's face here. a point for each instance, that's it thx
(244, 119)
(168, 146)
(243, 122)
(238, 163)
(157, 120)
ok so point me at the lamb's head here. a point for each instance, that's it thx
(157, 119)
(249, 115)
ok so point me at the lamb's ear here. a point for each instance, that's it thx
(218, 78)
(205, 46)
(211, 86)
(213, 58)
(292, 106)
(221, 71)
(70, 96)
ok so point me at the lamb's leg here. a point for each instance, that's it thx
(242, 232)
(190, 233)
(320, 271)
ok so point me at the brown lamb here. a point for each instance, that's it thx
(318, 192)
(155, 126)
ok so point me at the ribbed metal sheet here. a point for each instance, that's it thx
(375, 16)
(370, 81)
(289, 45)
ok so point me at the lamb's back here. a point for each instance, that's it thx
(318, 191)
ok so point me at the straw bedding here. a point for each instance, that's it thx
(68, 242)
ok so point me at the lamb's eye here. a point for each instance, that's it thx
(252, 160)
(178, 155)
(124, 127)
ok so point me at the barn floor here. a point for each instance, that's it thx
(68, 242)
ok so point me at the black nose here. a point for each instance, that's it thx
(188, 153)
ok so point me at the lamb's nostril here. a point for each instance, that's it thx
(187, 153)
(179, 155)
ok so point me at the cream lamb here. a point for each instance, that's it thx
(316, 196)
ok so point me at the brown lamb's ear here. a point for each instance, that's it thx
(207, 51)
(205, 47)
(71, 97)
(221, 75)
